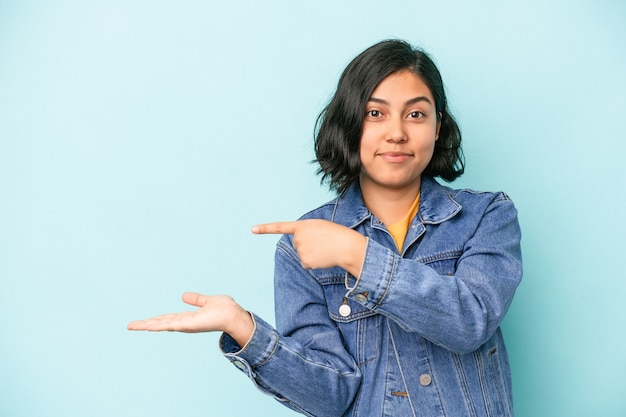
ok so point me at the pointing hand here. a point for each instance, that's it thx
(321, 243)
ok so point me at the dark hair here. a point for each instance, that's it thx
(339, 126)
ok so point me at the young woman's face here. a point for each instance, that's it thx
(399, 133)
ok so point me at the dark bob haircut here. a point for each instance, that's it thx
(339, 126)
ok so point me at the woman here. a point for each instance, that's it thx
(388, 298)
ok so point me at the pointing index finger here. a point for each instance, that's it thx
(278, 228)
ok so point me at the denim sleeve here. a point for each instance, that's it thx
(460, 311)
(303, 362)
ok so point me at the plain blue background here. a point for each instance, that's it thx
(140, 141)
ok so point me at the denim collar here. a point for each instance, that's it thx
(436, 205)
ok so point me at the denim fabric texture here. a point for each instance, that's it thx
(421, 336)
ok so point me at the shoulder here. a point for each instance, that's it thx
(465, 214)
(324, 211)
(470, 195)
(441, 202)
(346, 209)
(348, 201)
(487, 208)
(467, 195)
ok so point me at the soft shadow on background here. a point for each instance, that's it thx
(140, 141)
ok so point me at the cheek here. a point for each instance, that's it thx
(429, 149)
(364, 154)
(424, 137)
(367, 144)
(425, 147)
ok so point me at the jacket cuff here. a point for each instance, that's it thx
(256, 352)
(372, 285)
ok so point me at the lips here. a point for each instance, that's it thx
(395, 157)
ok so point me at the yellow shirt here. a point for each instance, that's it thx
(398, 230)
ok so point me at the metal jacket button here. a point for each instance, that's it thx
(425, 380)
(361, 298)
(344, 310)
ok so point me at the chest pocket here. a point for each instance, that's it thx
(359, 326)
(444, 263)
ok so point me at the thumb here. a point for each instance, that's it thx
(195, 299)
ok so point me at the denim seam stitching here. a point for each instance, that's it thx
(384, 295)
(460, 373)
(455, 254)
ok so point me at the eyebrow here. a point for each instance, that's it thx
(406, 103)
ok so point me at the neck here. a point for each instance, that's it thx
(389, 205)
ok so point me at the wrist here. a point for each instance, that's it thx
(241, 326)
(353, 261)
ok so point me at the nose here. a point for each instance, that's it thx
(396, 132)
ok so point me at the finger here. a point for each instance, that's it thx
(152, 326)
(165, 322)
(278, 228)
(139, 324)
(147, 324)
(195, 299)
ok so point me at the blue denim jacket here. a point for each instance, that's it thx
(420, 334)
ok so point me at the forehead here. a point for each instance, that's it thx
(404, 83)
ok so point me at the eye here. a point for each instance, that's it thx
(416, 115)
(374, 113)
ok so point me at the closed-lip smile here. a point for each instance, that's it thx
(395, 157)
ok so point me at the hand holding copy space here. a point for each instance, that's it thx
(319, 243)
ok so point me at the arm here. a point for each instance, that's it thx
(303, 363)
(459, 311)
(307, 370)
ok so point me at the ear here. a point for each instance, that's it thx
(438, 126)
